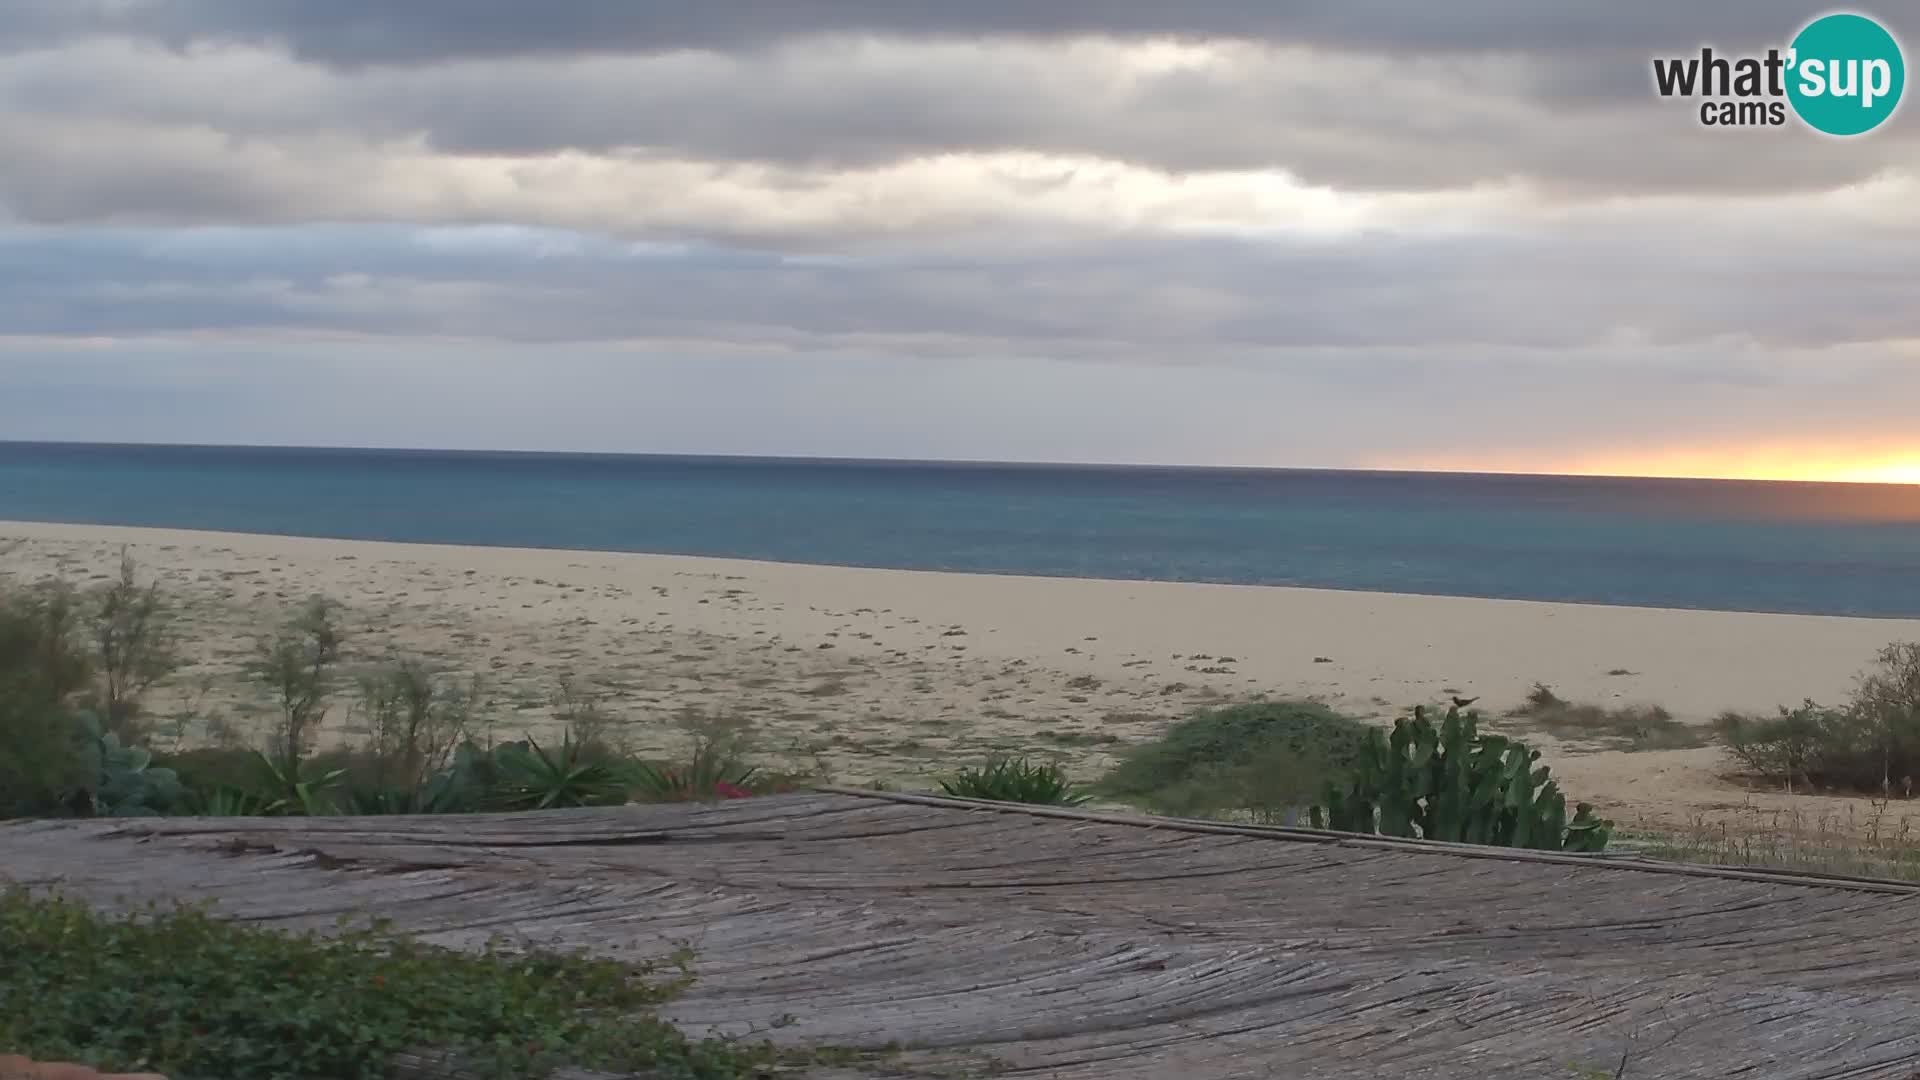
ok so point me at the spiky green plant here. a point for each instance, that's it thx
(298, 788)
(532, 778)
(1004, 779)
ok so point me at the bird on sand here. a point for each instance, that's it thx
(1463, 702)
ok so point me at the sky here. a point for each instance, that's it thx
(1363, 233)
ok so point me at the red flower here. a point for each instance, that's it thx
(730, 791)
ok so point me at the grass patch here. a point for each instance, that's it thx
(1266, 759)
(180, 992)
(1859, 843)
(1631, 727)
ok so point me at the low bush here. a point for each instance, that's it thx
(1871, 744)
(1631, 727)
(179, 992)
(43, 666)
(715, 766)
(1786, 747)
(1267, 760)
(1019, 780)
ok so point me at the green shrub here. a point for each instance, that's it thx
(43, 651)
(1449, 782)
(1269, 760)
(1787, 747)
(1872, 744)
(414, 721)
(1015, 780)
(184, 994)
(43, 666)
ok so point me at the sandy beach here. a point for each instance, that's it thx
(898, 675)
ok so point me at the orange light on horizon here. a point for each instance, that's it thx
(1818, 464)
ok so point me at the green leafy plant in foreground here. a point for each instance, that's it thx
(1449, 782)
(1015, 780)
(185, 994)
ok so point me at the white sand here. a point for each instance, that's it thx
(890, 674)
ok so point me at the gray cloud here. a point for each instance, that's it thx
(1591, 280)
(169, 139)
(352, 32)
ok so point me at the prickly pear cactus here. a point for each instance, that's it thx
(126, 785)
(1449, 782)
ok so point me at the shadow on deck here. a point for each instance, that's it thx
(1096, 947)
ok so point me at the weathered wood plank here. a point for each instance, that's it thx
(1097, 947)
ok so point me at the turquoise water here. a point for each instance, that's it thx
(1735, 545)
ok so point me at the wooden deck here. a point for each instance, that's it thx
(1090, 947)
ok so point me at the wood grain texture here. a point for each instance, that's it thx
(1096, 947)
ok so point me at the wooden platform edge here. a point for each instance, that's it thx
(1294, 834)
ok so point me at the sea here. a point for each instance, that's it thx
(1830, 549)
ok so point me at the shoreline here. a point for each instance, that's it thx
(897, 674)
(19, 528)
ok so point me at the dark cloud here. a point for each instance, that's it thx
(183, 145)
(354, 32)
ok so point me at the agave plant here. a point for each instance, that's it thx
(1015, 780)
(299, 790)
(531, 778)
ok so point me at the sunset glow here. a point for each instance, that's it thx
(1830, 465)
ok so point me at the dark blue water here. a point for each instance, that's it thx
(1735, 545)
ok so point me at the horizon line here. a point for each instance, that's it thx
(977, 462)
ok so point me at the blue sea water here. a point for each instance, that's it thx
(1839, 549)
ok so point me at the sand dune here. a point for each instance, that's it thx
(888, 674)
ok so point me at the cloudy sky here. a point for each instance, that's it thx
(1372, 233)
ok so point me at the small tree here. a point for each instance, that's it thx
(1887, 701)
(297, 663)
(132, 646)
(414, 723)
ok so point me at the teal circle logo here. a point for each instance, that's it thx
(1846, 74)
